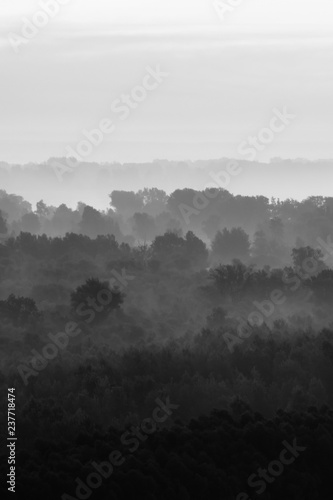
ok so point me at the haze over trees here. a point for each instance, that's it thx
(228, 314)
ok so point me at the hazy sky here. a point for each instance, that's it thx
(225, 78)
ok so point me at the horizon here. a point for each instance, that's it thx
(86, 182)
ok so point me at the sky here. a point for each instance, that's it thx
(226, 75)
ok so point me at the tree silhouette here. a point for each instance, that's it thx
(96, 295)
(19, 310)
(144, 226)
(42, 209)
(230, 245)
(304, 257)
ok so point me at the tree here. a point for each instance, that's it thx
(96, 296)
(182, 200)
(144, 226)
(231, 279)
(167, 247)
(92, 223)
(30, 223)
(260, 247)
(63, 220)
(211, 226)
(154, 200)
(172, 249)
(14, 206)
(196, 250)
(19, 310)
(229, 245)
(80, 207)
(126, 202)
(42, 209)
(322, 286)
(165, 222)
(276, 228)
(307, 258)
(3, 224)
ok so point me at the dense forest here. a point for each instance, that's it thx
(215, 303)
